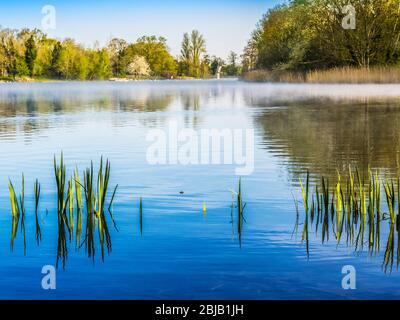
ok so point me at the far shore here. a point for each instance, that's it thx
(31, 80)
(344, 75)
(113, 79)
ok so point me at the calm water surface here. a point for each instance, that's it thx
(182, 253)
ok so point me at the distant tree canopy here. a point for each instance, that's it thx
(30, 53)
(309, 34)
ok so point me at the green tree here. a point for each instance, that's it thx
(98, 67)
(232, 69)
(9, 53)
(309, 34)
(72, 61)
(193, 50)
(156, 53)
(55, 60)
(116, 49)
(186, 55)
(205, 66)
(198, 47)
(43, 62)
(374, 41)
(249, 56)
(30, 54)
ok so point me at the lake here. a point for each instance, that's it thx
(185, 242)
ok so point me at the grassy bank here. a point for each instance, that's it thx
(347, 75)
(27, 79)
(115, 79)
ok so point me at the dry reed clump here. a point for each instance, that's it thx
(378, 75)
(343, 75)
(273, 76)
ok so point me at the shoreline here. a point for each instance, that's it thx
(319, 77)
(41, 80)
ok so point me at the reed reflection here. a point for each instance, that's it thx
(350, 210)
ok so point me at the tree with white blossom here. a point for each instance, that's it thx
(138, 67)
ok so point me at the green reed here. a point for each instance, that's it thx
(371, 209)
(389, 251)
(78, 197)
(95, 197)
(361, 212)
(325, 209)
(18, 212)
(95, 188)
(296, 226)
(240, 205)
(110, 207)
(36, 189)
(62, 204)
(71, 206)
(90, 198)
(305, 194)
(390, 199)
(317, 196)
(339, 208)
(103, 179)
(240, 210)
(15, 211)
(305, 191)
(352, 209)
(23, 211)
(378, 212)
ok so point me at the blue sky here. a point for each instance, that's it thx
(226, 24)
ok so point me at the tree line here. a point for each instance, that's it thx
(31, 53)
(307, 35)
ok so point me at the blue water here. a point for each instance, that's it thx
(184, 253)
